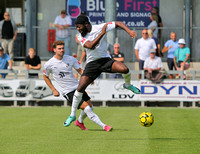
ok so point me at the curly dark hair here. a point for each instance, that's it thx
(82, 19)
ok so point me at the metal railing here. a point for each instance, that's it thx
(15, 72)
(126, 43)
(31, 71)
(25, 73)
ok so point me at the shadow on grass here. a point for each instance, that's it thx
(98, 130)
(136, 139)
(170, 138)
(160, 139)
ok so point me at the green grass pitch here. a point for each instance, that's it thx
(40, 130)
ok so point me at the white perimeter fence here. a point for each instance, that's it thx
(105, 90)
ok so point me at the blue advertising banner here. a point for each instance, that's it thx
(134, 13)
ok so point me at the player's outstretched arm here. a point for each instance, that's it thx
(120, 24)
(49, 83)
(92, 44)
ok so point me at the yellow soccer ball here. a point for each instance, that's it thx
(146, 119)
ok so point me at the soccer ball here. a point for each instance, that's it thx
(146, 119)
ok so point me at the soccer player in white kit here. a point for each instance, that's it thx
(60, 66)
(92, 39)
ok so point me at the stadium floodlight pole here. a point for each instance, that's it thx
(110, 15)
(187, 23)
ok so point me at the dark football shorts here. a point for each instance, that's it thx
(69, 98)
(94, 68)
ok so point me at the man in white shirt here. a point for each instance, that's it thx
(153, 63)
(60, 66)
(62, 24)
(152, 67)
(142, 48)
(92, 38)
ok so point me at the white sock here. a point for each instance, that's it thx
(76, 100)
(92, 116)
(127, 78)
(83, 115)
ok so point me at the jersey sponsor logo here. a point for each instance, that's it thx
(110, 23)
(62, 74)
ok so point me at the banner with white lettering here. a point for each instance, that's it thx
(134, 13)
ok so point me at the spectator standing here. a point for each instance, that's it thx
(142, 48)
(181, 57)
(62, 24)
(171, 46)
(118, 56)
(5, 62)
(155, 10)
(8, 33)
(158, 53)
(154, 25)
(152, 67)
(33, 62)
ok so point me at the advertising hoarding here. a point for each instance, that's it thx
(106, 90)
(134, 13)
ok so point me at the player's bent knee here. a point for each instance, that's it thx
(81, 88)
(89, 102)
(126, 70)
(83, 105)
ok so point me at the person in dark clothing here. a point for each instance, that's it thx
(8, 34)
(32, 61)
(119, 57)
(155, 10)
